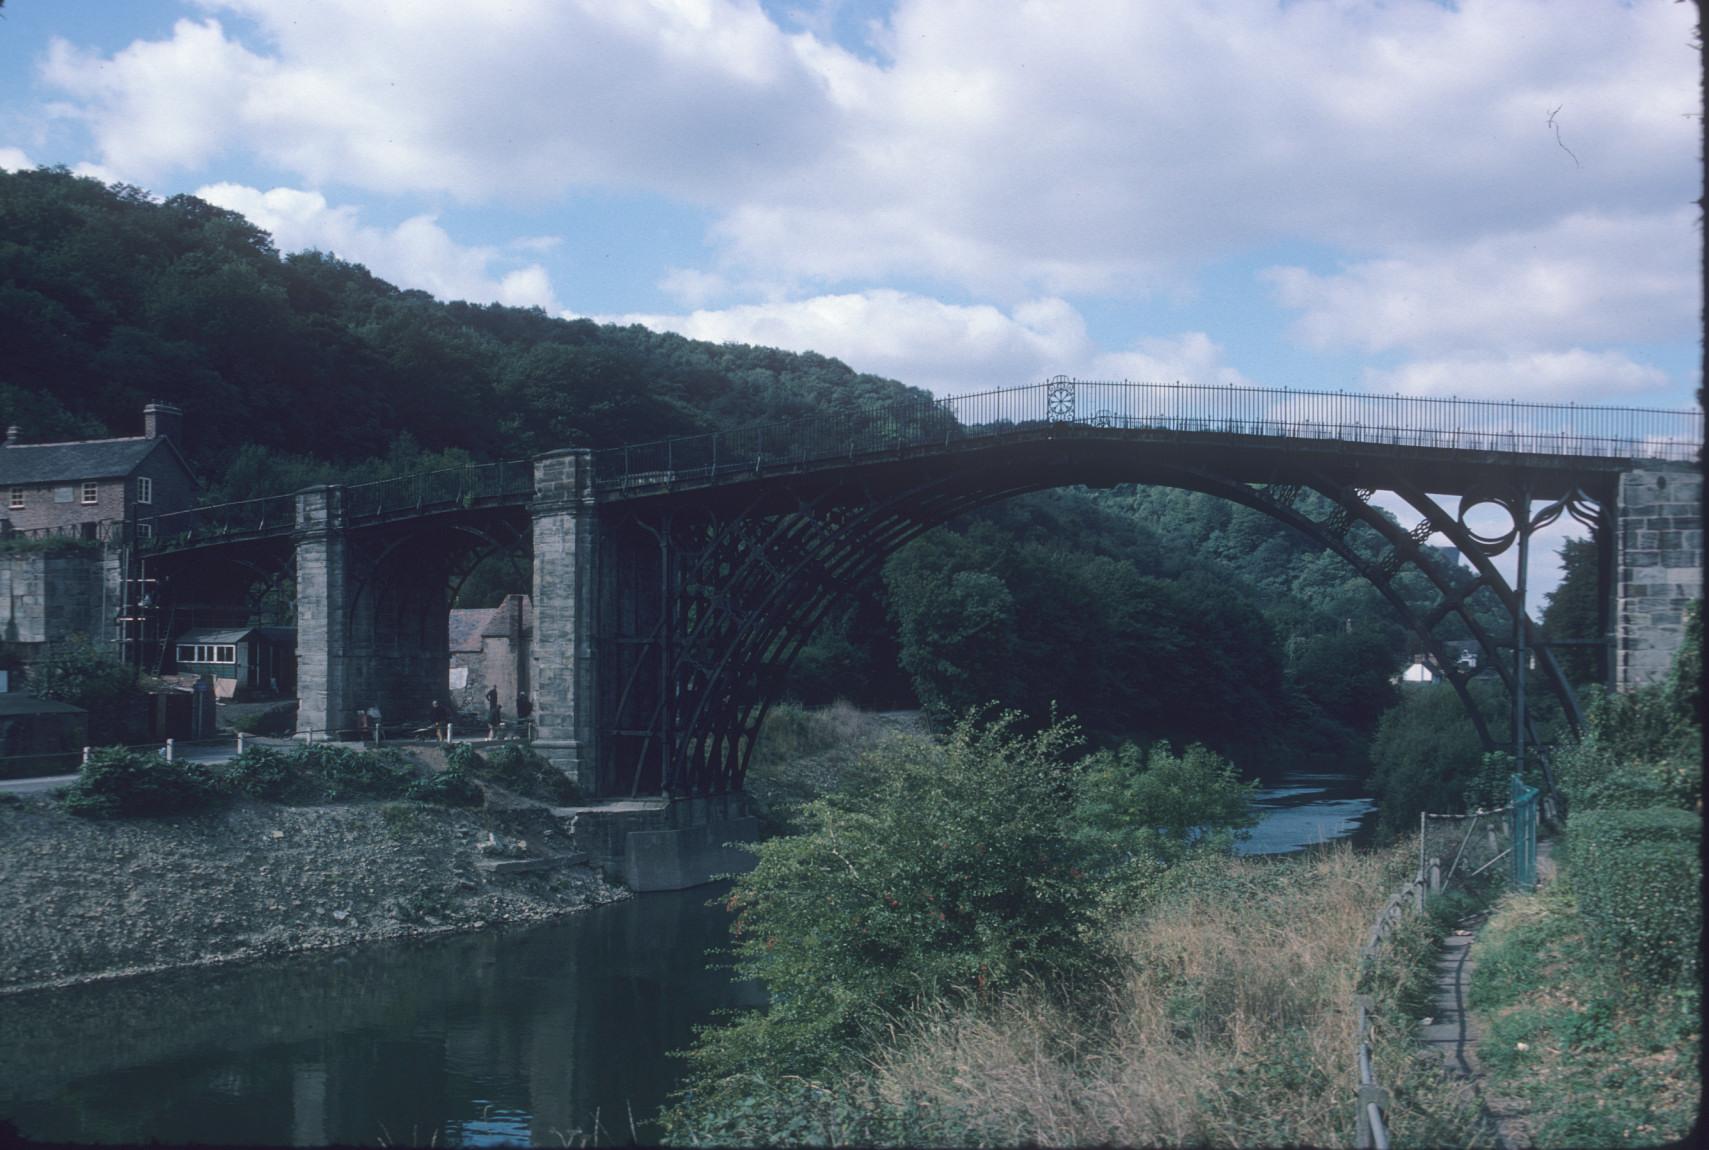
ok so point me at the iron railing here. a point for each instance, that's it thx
(1412, 421)
(103, 530)
(406, 494)
(437, 490)
(245, 517)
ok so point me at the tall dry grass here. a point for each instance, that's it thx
(1231, 1023)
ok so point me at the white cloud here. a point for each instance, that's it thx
(161, 105)
(1008, 149)
(14, 160)
(418, 253)
(947, 348)
(1553, 376)
(1191, 357)
(1588, 277)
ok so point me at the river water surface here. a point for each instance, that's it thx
(529, 1035)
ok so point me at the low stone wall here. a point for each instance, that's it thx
(660, 844)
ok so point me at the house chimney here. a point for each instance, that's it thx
(13, 434)
(163, 421)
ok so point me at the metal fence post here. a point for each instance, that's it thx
(171, 747)
(240, 742)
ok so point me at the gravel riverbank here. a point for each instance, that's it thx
(84, 899)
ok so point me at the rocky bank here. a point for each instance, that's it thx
(88, 899)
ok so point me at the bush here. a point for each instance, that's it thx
(1425, 753)
(1637, 874)
(118, 783)
(264, 773)
(350, 774)
(518, 768)
(448, 788)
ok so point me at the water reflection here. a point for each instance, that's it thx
(502, 1037)
(1302, 808)
(523, 1036)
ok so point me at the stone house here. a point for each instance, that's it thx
(71, 488)
(67, 565)
(490, 647)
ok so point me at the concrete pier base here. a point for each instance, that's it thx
(665, 844)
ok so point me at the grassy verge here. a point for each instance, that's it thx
(1229, 1023)
(1586, 1057)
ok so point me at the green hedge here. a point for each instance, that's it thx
(120, 783)
(1637, 875)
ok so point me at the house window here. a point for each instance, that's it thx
(144, 489)
(206, 653)
(63, 494)
(16, 503)
(91, 491)
(145, 531)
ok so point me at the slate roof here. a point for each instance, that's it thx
(70, 462)
(466, 626)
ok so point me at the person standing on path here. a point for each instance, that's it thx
(494, 713)
(524, 710)
(441, 722)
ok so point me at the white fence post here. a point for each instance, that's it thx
(171, 747)
(86, 753)
(240, 742)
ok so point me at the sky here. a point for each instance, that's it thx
(1494, 198)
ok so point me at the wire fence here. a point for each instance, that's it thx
(1455, 852)
(1410, 421)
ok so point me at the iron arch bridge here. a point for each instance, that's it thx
(675, 581)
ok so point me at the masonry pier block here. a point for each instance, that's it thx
(667, 844)
(1658, 562)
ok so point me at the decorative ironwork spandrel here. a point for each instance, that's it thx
(1059, 400)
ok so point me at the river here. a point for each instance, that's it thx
(528, 1035)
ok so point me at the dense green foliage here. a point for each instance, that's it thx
(113, 299)
(1592, 988)
(972, 863)
(1643, 748)
(1570, 613)
(1599, 1055)
(121, 783)
(1638, 878)
(84, 676)
(1424, 753)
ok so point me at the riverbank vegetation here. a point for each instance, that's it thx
(999, 938)
(1591, 990)
(117, 782)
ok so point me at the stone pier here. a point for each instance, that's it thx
(1658, 568)
(324, 697)
(565, 602)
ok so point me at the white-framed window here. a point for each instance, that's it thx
(207, 653)
(145, 531)
(91, 491)
(144, 489)
(16, 501)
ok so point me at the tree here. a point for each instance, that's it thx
(1571, 612)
